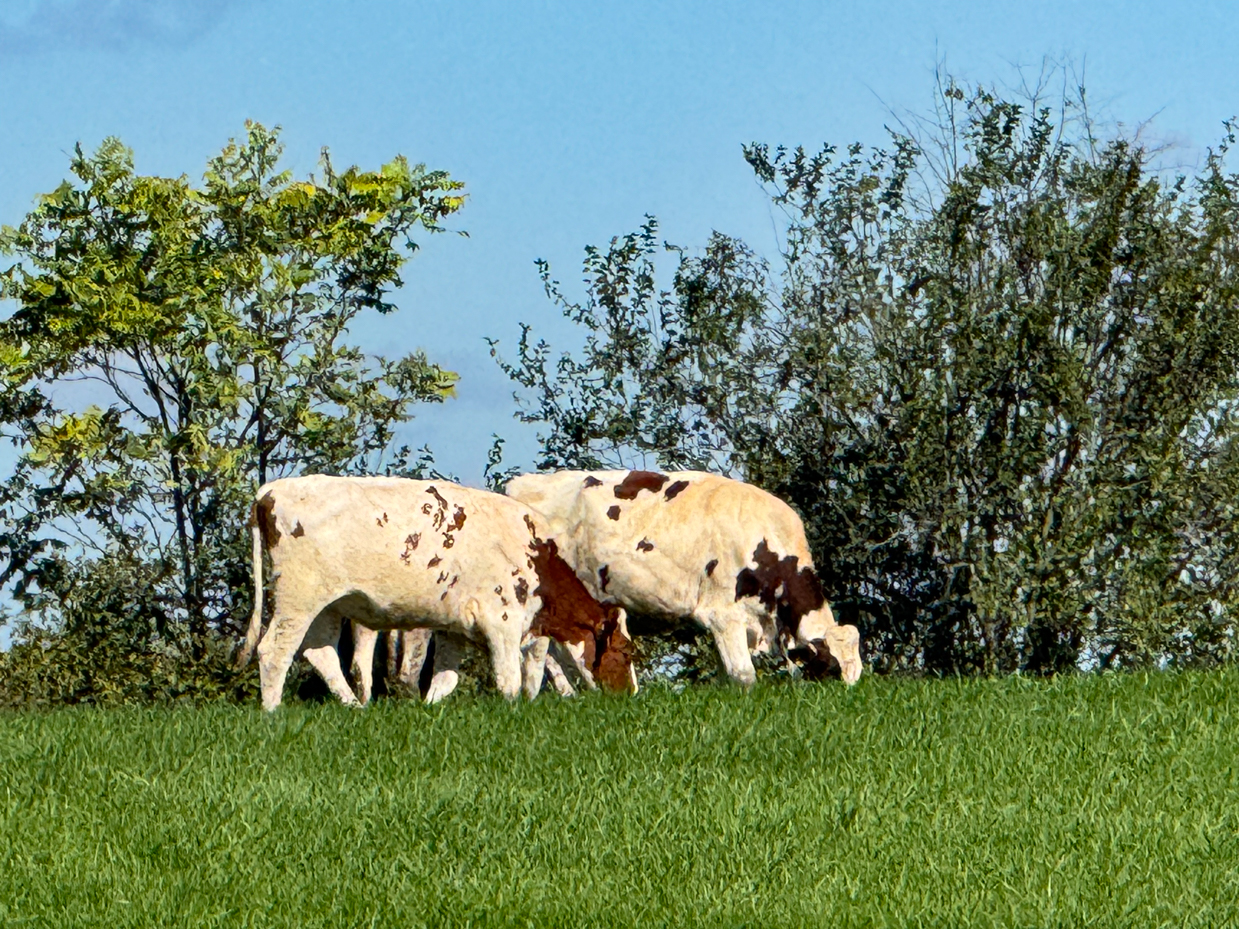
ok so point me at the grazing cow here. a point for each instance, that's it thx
(695, 545)
(391, 553)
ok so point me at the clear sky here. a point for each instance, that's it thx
(567, 121)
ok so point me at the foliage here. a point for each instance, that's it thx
(995, 371)
(174, 347)
(1099, 800)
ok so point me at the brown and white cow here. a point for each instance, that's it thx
(690, 544)
(391, 553)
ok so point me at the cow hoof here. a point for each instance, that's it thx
(441, 685)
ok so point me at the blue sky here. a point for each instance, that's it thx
(567, 121)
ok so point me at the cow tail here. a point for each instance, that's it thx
(255, 628)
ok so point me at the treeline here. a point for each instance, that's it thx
(993, 366)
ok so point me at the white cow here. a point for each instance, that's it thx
(391, 553)
(689, 544)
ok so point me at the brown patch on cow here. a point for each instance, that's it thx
(674, 490)
(521, 589)
(297, 532)
(637, 481)
(533, 530)
(426, 508)
(498, 589)
(505, 617)
(443, 596)
(569, 614)
(454, 580)
(516, 571)
(710, 566)
(614, 512)
(381, 521)
(458, 519)
(433, 561)
(264, 514)
(604, 577)
(448, 540)
(591, 481)
(614, 655)
(645, 545)
(442, 577)
(780, 586)
(410, 546)
(438, 496)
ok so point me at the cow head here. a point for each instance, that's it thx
(836, 649)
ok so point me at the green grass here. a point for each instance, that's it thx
(1088, 801)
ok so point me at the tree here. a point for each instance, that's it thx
(995, 372)
(173, 347)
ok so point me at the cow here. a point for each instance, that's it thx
(690, 544)
(393, 553)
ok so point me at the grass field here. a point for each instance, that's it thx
(1087, 801)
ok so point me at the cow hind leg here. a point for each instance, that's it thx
(533, 667)
(414, 644)
(321, 651)
(276, 652)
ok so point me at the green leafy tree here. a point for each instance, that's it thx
(174, 346)
(995, 371)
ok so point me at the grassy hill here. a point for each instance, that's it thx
(1086, 801)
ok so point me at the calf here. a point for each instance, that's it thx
(391, 553)
(689, 544)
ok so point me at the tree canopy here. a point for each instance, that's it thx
(174, 346)
(993, 367)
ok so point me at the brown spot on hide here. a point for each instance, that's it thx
(614, 655)
(454, 580)
(710, 566)
(498, 589)
(433, 561)
(780, 586)
(614, 512)
(264, 513)
(516, 571)
(521, 590)
(443, 596)
(645, 545)
(637, 481)
(533, 531)
(438, 496)
(448, 540)
(604, 577)
(410, 546)
(442, 577)
(505, 617)
(381, 521)
(569, 614)
(297, 532)
(458, 519)
(591, 481)
(426, 508)
(674, 490)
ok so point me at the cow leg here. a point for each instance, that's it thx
(414, 643)
(446, 673)
(505, 657)
(534, 665)
(364, 641)
(321, 651)
(559, 680)
(574, 657)
(731, 635)
(277, 650)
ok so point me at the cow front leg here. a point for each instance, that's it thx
(534, 665)
(446, 668)
(505, 658)
(731, 635)
(364, 641)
